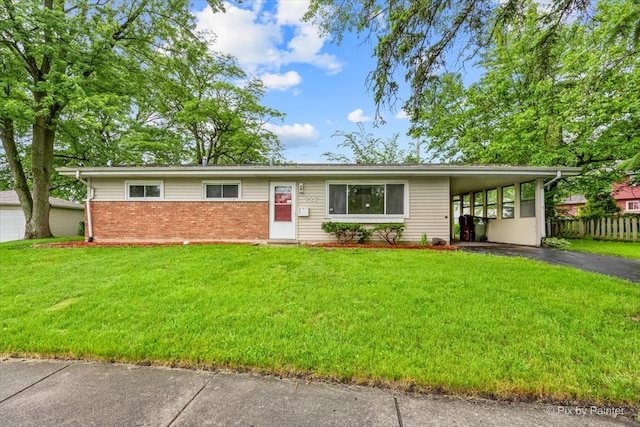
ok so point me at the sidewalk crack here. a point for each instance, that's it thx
(37, 382)
(189, 402)
(395, 399)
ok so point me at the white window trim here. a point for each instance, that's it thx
(514, 202)
(374, 218)
(629, 204)
(127, 184)
(221, 199)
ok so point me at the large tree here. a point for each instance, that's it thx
(580, 109)
(210, 99)
(57, 54)
(415, 40)
(562, 81)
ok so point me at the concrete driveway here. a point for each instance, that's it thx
(67, 393)
(622, 268)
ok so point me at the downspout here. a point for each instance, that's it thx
(543, 217)
(89, 198)
(558, 176)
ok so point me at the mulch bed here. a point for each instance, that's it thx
(82, 244)
(384, 246)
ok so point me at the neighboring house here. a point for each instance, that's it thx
(290, 202)
(625, 194)
(64, 217)
(627, 197)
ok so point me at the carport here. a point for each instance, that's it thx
(509, 201)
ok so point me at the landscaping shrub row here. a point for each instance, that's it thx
(348, 231)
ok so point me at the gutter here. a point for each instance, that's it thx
(558, 176)
(90, 193)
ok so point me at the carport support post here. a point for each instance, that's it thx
(540, 211)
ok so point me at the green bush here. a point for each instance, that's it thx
(556, 242)
(391, 232)
(81, 228)
(347, 231)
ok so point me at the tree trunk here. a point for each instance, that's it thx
(7, 134)
(37, 226)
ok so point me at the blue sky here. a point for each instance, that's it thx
(319, 86)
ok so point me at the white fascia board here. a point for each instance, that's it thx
(314, 170)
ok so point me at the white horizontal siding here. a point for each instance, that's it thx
(108, 188)
(64, 222)
(313, 197)
(429, 211)
(182, 189)
(255, 189)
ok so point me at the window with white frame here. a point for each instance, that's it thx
(528, 199)
(478, 203)
(492, 203)
(633, 205)
(144, 190)
(508, 201)
(366, 199)
(466, 204)
(221, 190)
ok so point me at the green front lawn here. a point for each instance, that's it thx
(421, 319)
(606, 247)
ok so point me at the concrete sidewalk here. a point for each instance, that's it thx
(54, 393)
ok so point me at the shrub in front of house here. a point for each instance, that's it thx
(390, 232)
(347, 231)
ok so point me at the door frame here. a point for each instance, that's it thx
(277, 231)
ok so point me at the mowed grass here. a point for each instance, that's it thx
(606, 247)
(414, 319)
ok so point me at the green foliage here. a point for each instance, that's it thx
(390, 232)
(369, 149)
(418, 40)
(556, 242)
(599, 206)
(347, 231)
(81, 228)
(572, 104)
(424, 240)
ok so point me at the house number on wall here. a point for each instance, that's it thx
(310, 199)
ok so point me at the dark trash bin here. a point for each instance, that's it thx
(467, 228)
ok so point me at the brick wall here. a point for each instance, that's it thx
(180, 220)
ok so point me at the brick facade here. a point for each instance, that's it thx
(180, 220)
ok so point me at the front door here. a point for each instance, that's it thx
(282, 215)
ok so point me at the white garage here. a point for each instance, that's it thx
(63, 217)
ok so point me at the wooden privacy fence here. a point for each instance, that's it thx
(612, 228)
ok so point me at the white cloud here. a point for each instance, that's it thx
(402, 115)
(357, 116)
(281, 81)
(295, 135)
(257, 36)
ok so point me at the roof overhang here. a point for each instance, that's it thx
(464, 178)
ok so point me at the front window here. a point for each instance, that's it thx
(221, 191)
(633, 205)
(366, 199)
(144, 190)
(527, 200)
(508, 201)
